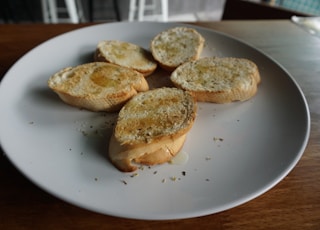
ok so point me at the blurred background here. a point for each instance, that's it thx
(75, 11)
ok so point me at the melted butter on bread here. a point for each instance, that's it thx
(151, 128)
(111, 77)
(155, 114)
(97, 86)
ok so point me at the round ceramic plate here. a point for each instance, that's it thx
(235, 151)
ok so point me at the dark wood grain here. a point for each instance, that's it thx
(292, 204)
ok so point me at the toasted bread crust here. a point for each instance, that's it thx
(155, 115)
(162, 155)
(127, 160)
(218, 80)
(97, 86)
(126, 54)
(151, 128)
(176, 46)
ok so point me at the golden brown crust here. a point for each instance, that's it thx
(155, 115)
(152, 127)
(128, 160)
(97, 86)
(126, 54)
(162, 155)
(175, 46)
(218, 80)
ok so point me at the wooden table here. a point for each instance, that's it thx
(292, 204)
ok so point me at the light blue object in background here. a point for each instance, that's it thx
(306, 6)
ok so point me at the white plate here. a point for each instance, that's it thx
(236, 151)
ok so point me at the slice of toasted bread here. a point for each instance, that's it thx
(218, 80)
(176, 46)
(97, 86)
(151, 128)
(126, 54)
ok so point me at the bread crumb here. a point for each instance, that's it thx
(134, 175)
(217, 139)
(141, 167)
(173, 178)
